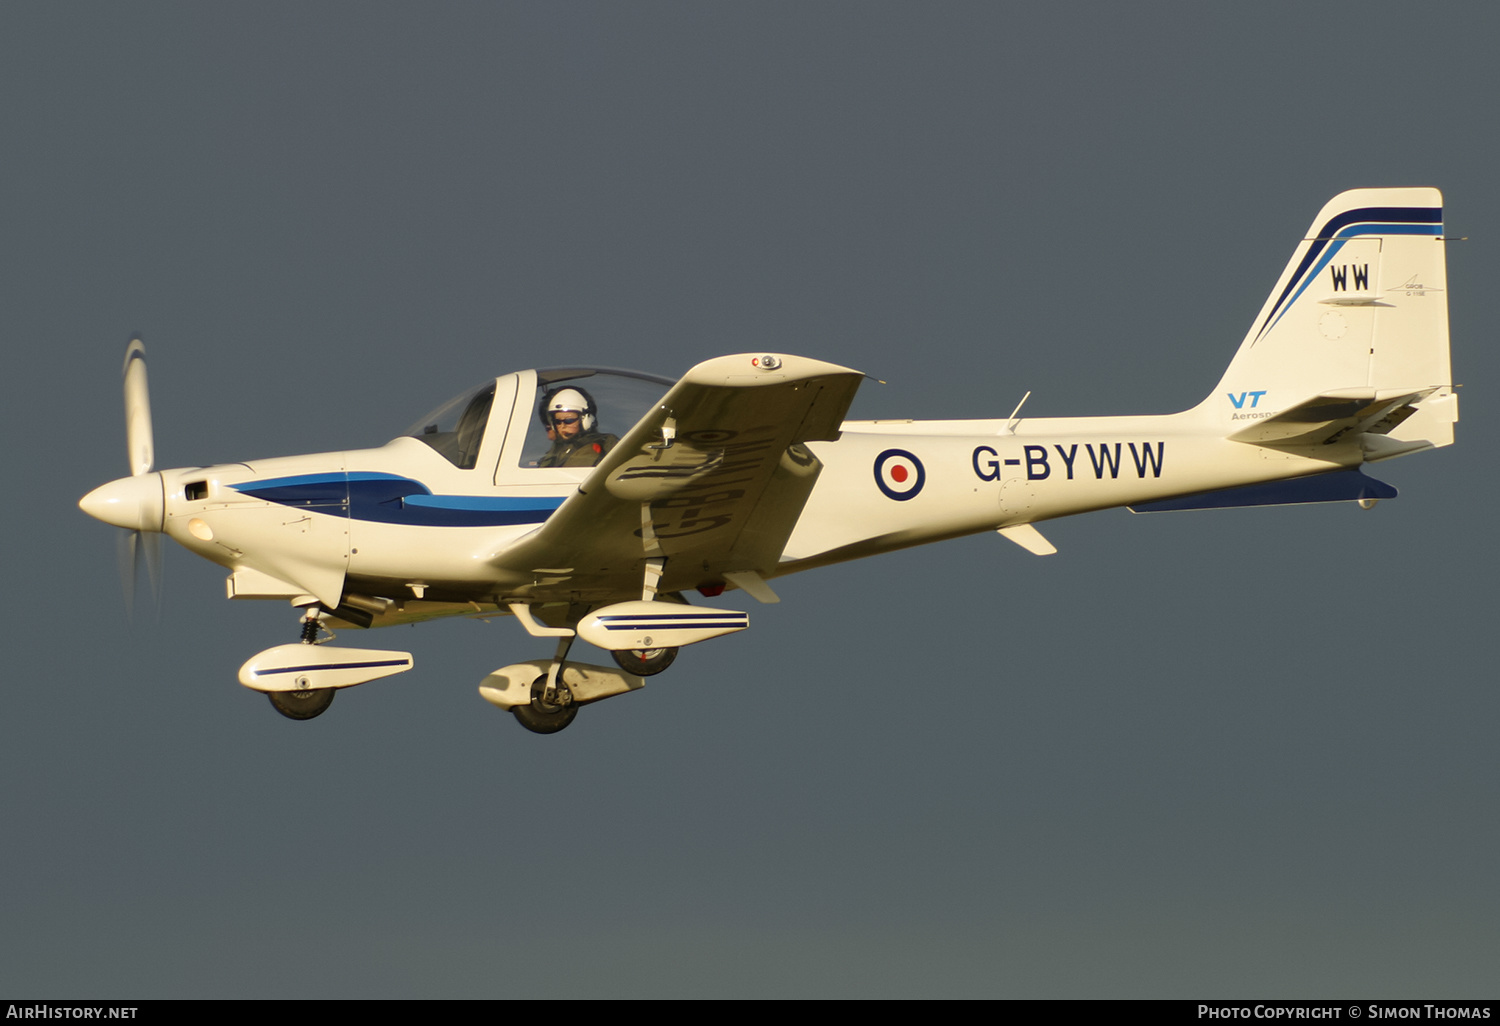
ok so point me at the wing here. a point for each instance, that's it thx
(711, 482)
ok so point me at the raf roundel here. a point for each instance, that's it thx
(899, 474)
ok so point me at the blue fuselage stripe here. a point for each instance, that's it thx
(393, 499)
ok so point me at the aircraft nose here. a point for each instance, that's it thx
(136, 503)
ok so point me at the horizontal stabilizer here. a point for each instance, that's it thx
(1339, 486)
(1333, 415)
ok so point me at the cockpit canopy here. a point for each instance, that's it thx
(614, 401)
(456, 428)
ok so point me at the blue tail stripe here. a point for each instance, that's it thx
(1351, 223)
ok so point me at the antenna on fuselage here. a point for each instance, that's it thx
(1010, 423)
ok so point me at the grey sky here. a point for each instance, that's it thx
(1234, 753)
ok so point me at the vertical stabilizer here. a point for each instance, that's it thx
(1361, 311)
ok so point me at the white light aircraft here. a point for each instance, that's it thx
(515, 498)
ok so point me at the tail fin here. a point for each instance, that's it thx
(1353, 341)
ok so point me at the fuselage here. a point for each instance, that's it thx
(410, 529)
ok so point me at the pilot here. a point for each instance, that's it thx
(570, 416)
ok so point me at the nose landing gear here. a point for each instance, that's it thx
(300, 679)
(302, 705)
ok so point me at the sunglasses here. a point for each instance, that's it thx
(565, 421)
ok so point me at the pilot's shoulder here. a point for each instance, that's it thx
(590, 449)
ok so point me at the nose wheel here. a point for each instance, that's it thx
(644, 662)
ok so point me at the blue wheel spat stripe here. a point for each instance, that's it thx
(672, 626)
(670, 616)
(334, 666)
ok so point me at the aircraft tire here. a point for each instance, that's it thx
(644, 662)
(302, 705)
(543, 717)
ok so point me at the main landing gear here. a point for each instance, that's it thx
(553, 706)
(550, 710)
(641, 636)
(544, 696)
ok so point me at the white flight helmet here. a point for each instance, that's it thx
(574, 401)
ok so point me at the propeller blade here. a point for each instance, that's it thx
(151, 550)
(139, 446)
(134, 549)
(129, 501)
(127, 553)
